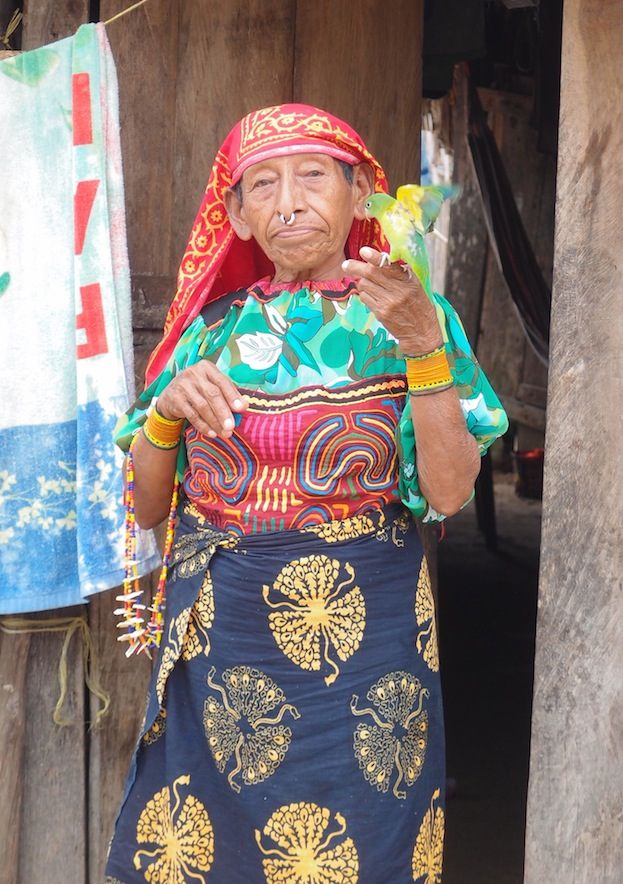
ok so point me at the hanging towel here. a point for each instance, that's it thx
(66, 369)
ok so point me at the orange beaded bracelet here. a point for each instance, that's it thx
(162, 432)
(429, 373)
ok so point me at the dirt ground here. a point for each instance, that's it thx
(487, 610)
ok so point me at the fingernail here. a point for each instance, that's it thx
(228, 423)
(344, 265)
(211, 434)
(237, 403)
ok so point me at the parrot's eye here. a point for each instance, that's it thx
(368, 204)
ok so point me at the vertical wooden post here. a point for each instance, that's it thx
(13, 664)
(576, 770)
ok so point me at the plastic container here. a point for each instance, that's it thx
(529, 473)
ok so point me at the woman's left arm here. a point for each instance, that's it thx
(447, 454)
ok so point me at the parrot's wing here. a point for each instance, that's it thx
(410, 196)
(428, 201)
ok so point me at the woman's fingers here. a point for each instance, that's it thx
(221, 396)
(199, 413)
(372, 256)
(385, 279)
(205, 397)
(228, 390)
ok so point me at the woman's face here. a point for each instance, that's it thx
(314, 188)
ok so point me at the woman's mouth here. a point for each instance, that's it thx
(294, 232)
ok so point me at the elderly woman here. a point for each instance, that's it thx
(294, 725)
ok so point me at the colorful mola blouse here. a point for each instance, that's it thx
(328, 432)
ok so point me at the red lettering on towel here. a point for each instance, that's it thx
(81, 109)
(83, 203)
(92, 321)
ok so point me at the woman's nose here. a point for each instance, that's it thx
(289, 196)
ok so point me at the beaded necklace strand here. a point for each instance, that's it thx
(141, 637)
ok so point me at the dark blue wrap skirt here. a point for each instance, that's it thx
(294, 727)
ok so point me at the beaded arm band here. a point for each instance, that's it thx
(142, 637)
(429, 373)
(162, 432)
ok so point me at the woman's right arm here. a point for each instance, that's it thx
(207, 399)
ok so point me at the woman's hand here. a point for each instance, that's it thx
(447, 454)
(398, 300)
(205, 397)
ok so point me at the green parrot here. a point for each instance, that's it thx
(425, 203)
(406, 219)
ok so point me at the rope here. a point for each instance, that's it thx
(125, 11)
(68, 625)
(12, 26)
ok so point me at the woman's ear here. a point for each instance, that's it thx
(363, 185)
(235, 210)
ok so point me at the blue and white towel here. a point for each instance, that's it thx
(66, 368)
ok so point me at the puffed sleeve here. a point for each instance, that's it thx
(484, 416)
(198, 342)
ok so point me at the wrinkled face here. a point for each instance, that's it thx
(314, 188)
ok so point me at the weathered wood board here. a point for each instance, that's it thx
(468, 240)
(502, 345)
(474, 282)
(46, 21)
(340, 50)
(13, 662)
(252, 42)
(52, 843)
(575, 806)
(112, 742)
(145, 48)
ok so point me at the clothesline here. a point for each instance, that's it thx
(17, 17)
(124, 12)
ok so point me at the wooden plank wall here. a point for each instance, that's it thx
(519, 375)
(353, 59)
(468, 242)
(187, 71)
(473, 280)
(575, 803)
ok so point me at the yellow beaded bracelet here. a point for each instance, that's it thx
(429, 373)
(162, 432)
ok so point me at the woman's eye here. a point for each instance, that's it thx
(313, 173)
(261, 182)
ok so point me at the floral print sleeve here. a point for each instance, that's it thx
(484, 415)
(197, 342)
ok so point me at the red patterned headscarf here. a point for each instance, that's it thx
(216, 261)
